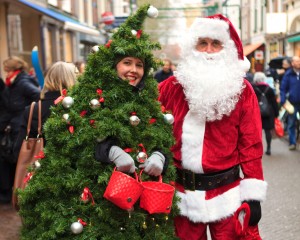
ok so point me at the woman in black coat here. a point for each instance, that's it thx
(260, 86)
(61, 75)
(18, 91)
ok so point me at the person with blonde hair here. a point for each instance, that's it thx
(18, 91)
(60, 76)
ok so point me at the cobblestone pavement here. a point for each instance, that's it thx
(281, 210)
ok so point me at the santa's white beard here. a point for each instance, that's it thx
(212, 83)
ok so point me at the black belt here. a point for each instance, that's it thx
(203, 182)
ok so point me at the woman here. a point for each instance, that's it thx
(60, 75)
(19, 91)
(115, 121)
(261, 87)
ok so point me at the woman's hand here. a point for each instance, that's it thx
(122, 160)
(154, 164)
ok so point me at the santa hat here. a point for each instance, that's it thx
(219, 27)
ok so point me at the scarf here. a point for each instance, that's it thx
(9, 80)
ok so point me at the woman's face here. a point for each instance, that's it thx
(132, 69)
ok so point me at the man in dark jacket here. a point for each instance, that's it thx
(165, 72)
(19, 91)
(290, 90)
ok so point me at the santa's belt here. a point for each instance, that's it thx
(203, 182)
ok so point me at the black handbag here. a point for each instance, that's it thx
(7, 145)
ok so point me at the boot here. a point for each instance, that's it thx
(268, 152)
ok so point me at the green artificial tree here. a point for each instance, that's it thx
(98, 107)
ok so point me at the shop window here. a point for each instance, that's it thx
(15, 34)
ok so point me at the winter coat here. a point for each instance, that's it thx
(20, 94)
(268, 122)
(290, 88)
(46, 103)
(161, 75)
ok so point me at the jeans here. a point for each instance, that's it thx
(292, 118)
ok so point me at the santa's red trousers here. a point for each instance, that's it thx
(222, 230)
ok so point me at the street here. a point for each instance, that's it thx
(280, 212)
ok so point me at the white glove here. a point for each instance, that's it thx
(154, 164)
(122, 160)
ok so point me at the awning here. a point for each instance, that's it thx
(294, 39)
(70, 23)
(92, 39)
(250, 48)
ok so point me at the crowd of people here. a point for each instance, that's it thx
(217, 128)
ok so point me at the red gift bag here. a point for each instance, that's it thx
(157, 197)
(243, 230)
(279, 128)
(123, 190)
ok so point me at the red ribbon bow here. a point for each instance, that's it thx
(139, 34)
(27, 177)
(83, 113)
(60, 98)
(107, 45)
(86, 195)
(82, 222)
(41, 154)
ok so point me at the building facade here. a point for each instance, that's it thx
(62, 30)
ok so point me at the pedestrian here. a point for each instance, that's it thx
(60, 76)
(262, 88)
(109, 122)
(217, 126)
(19, 91)
(165, 72)
(290, 90)
(80, 65)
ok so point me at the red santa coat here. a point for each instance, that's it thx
(208, 147)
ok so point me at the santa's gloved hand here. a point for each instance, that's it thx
(154, 164)
(122, 160)
(255, 212)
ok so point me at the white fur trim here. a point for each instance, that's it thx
(210, 28)
(196, 208)
(253, 189)
(245, 64)
(193, 129)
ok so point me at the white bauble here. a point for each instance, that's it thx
(152, 12)
(76, 227)
(169, 118)
(94, 104)
(67, 102)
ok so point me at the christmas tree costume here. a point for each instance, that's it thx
(64, 197)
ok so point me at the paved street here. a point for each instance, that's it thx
(281, 210)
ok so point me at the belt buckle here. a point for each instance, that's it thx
(189, 180)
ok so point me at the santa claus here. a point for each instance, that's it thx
(218, 150)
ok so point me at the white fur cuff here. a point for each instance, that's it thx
(253, 189)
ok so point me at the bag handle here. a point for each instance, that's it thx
(140, 176)
(29, 119)
(39, 119)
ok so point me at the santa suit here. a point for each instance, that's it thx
(210, 147)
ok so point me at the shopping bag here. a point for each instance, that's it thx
(157, 196)
(123, 190)
(278, 127)
(243, 230)
(30, 152)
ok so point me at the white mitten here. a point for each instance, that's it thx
(122, 160)
(154, 164)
